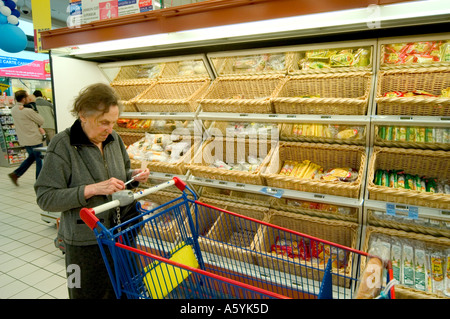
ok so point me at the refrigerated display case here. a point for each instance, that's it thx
(333, 113)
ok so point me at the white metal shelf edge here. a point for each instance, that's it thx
(436, 213)
(441, 121)
(287, 193)
(285, 118)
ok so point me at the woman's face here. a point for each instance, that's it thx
(98, 126)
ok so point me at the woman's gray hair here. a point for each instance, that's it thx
(94, 99)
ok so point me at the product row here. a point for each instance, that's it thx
(416, 264)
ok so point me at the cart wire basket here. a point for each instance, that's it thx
(143, 265)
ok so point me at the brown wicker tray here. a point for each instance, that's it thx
(232, 149)
(169, 231)
(288, 205)
(229, 239)
(427, 163)
(286, 134)
(431, 80)
(336, 93)
(328, 156)
(172, 96)
(401, 291)
(339, 232)
(435, 228)
(245, 94)
(409, 144)
(179, 167)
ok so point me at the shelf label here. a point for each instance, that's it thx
(278, 193)
(243, 114)
(325, 116)
(291, 116)
(445, 118)
(240, 185)
(411, 211)
(406, 118)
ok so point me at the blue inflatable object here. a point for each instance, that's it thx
(10, 4)
(3, 19)
(15, 12)
(12, 38)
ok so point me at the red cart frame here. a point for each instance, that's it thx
(188, 249)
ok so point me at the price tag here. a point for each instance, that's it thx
(413, 212)
(272, 192)
(390, 209)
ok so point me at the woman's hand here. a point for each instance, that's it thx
(141, 178)
(107, 187)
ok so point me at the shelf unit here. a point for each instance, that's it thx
(370, 120)
(12, 152)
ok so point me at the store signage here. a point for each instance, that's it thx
(24, 68)
(86, 11)
(42, 21)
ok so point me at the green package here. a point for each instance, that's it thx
(382, 132)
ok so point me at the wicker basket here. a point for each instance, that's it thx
(255, 65)
(295, 69)
(314, 209)
(246, 94)
(338, 232)
(233, 237)
(384, 65)
(179, 167)
(338, 94)
(129, 138)
(287, 134)
(184, 70)
(133, 73)
(422, 225)
(230, 151)
(168, 231)
(172, 96)
(401, 291)
(431, 80)
(326, 155)
(410, 144)
(421, 162)
(220, 129)
(236, 196)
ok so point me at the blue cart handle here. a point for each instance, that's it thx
(123, 198)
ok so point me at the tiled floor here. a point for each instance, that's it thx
(31, 267)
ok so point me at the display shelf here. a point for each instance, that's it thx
(276, 192)
(159, 115)
(12, 152)
(412, 211)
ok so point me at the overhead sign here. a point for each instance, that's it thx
(42, 21)
(24, 68)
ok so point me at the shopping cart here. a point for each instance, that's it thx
(192, 250)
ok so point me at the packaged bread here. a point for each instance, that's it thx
(437, 263)
(369, 285)
(420, 267)
(447, 277)
(408, 264)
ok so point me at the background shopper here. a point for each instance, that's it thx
(84, 165)
(27, 123)
(45, 109)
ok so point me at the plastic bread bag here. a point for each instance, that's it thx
(447, 277)
(369, 285)
(437, 269)
(420, 272)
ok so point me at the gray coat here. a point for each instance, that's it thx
(71, 163)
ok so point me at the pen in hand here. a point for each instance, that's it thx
(132, 179)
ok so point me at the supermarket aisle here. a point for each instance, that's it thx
(30, 265)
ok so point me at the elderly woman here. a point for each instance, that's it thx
(84, 165)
